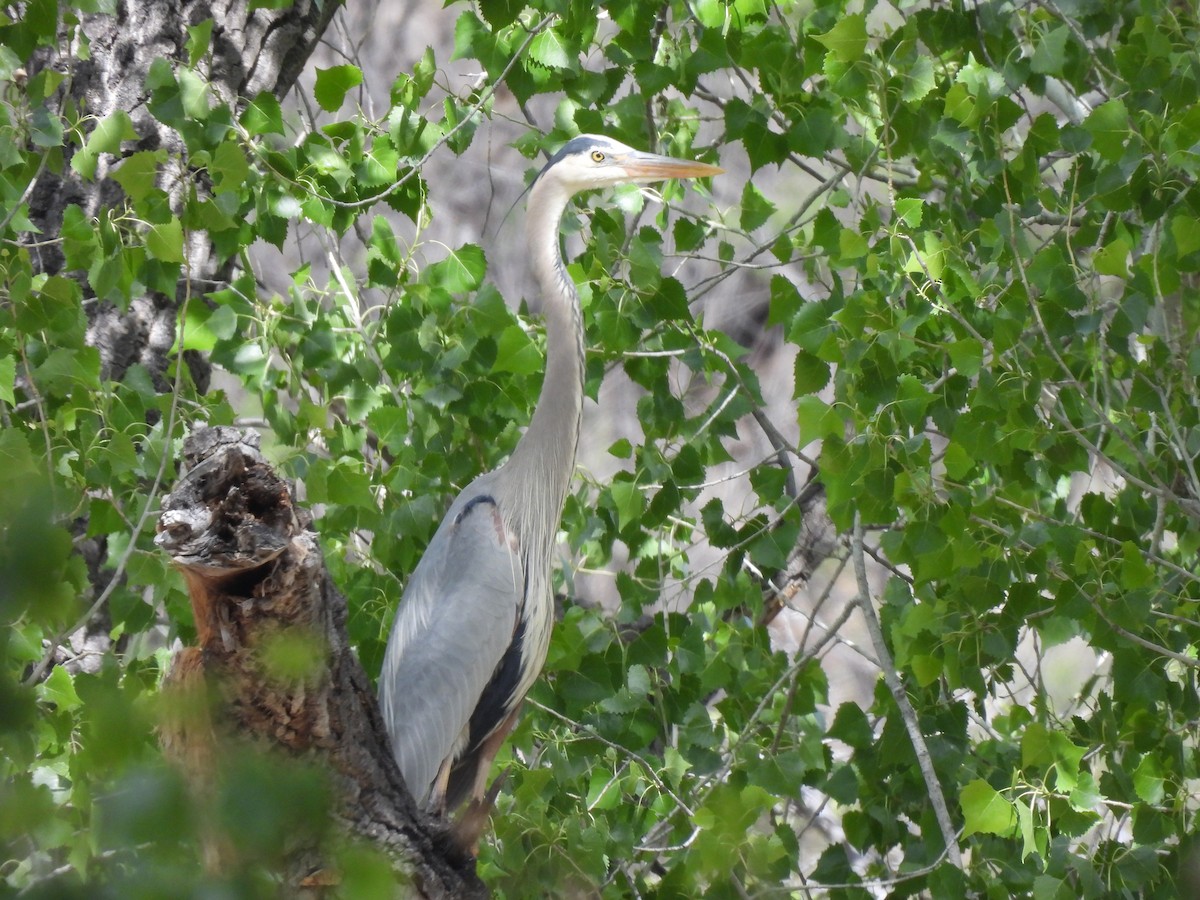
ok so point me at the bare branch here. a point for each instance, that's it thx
(907, 713)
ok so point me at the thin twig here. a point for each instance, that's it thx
(593, 733)
(356, 319)
(907, 713)
(26, 193)
(781, 448)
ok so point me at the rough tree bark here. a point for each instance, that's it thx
(251, 51)
(255, 574)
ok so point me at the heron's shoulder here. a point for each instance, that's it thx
(476, 515)
(480, 491)
(473, 546)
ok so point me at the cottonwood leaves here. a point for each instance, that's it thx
(975, 238)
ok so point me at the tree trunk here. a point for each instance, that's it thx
(250, 51)
(256, 575)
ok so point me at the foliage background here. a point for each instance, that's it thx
(955, 261)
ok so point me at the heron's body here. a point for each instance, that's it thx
(473, 627)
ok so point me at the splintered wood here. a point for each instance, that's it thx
(273, 669)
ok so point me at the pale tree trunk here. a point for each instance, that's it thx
(330, 717)
(251, 52)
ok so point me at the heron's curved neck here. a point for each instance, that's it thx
(544, 459)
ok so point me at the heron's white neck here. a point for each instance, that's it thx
(544, 459)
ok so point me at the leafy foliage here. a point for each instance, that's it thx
(978, 235)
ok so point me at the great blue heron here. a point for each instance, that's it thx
(473, 627)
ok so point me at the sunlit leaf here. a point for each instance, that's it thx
(334, 83)
(985, 811)
(847, 40)
(106, 137)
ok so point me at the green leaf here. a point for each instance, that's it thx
(621, 449)
(712, 13)
(40, 19)
(756, 209)
(926, 668)
(851, 245)
(985, 811)
(333, 83)
(59, 689)
(193, 94)
(1047, 749)
(1135, 571)
(629, 500)
(930, 262)
(548, 49)
(8, 375)
(1108, 125)
(46, 128)
(812, 373)
(263, 115)
(106, 137)
(966, 355)
(460, 272)
(364, 872)
(199, 38)
(348, 484)
(785, 301)
(229, 167)
(912, 400)
(138, 174)
(379, 167)
(1186, 231)
(919, 80)
(165, 241)
(1049, 53)
(516, 353)
(1085, 794)
(910, 210)
(847, 40)
(500, 13)
(196, 332)
(1047, 887)
(817, 420)
(1148, 780)
(960, 105)
(1033, 839)
(1112, 259)
(957, 461)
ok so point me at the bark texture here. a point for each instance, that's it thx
(255, 574)
(251, 51)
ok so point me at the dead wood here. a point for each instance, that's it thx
(256, 574)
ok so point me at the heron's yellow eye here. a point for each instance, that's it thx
(597, 156)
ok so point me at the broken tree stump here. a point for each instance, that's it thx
(257, 580)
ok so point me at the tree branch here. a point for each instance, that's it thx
(256, 574)
(907, 713)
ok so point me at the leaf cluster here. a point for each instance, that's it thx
(972, 236)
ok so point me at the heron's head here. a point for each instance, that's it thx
(592, 161)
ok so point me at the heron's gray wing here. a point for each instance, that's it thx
(455, 621)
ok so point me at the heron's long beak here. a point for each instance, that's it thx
(652, 167)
